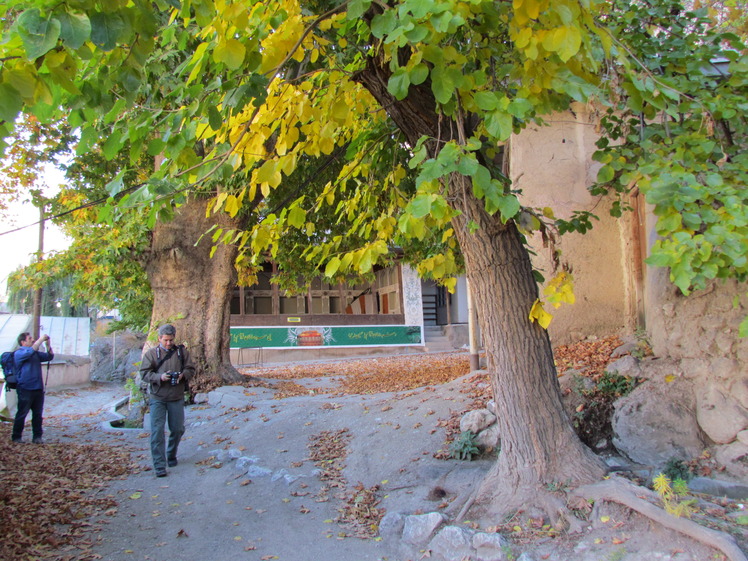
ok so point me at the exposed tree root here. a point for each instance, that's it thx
(626, 493)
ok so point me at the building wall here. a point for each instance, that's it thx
(552, 167)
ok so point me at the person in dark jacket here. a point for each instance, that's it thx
(28, 366)
(166, 368)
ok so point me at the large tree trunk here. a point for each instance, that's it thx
(539, 448)
(538, 445)
(192, 290)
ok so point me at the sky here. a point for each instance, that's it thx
(19, 248)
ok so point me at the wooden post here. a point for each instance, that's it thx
(36, 321)
(472, 330)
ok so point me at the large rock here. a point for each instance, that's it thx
(114, 357)
(721, 409)
(718, 488)
(477, 420)
(391, 526)
(735, 459)
(452, 543)
(419, 528)
(489, 438)
(625, 366)
(657, 422)
(490, 547)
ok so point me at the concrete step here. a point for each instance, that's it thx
(438, 346)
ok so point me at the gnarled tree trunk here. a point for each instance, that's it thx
(538, 444)
(192, 290)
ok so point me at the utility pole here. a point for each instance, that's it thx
(38, 294)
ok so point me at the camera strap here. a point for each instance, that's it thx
(162, 360)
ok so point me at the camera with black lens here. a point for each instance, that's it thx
(173, 378)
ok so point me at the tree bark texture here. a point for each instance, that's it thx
(538, 444)
(192, 290)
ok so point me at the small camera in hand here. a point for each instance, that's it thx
(174, 378)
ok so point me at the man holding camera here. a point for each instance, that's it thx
(28, 367)
(166, 368)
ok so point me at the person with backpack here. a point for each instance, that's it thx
(28, 368)
(166, 369)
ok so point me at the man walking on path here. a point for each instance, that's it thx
(28, 366)
(166, 368)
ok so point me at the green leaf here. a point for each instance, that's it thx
(116, 185)
(214, 118)
(112, 145)
(486, 101)
(499, 125)
(508, 206)
(659, 260)
(419, 73)
(10, 103)
(75, 29)
(332, 267)
(442, 84)
(520, 107)
(420, 206)
(357, 8)
(39, 34)
(106, 29)
(296, 217)
(383, 24)
(231, 53)
(399, 83)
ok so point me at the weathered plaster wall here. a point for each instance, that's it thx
(698, 336)
(552, 166)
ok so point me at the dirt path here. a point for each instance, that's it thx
(247, 487)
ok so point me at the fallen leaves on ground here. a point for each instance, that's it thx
(360, 512)
(328, 451)
(372, 375)
(589, 357)
(47, 497)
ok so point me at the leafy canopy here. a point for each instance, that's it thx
(225, 88)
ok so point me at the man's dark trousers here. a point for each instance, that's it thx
(29, 400)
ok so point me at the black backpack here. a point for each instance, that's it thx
(8, 363)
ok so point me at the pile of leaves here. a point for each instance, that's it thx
(47, 496)
(591, 357)
(360, 511)
(328, 451)
(377, 375)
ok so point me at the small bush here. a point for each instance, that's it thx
(616, 385)
(677, 469)
(464, 448)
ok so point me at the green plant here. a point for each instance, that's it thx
(643, 347)
(558, 486)
(671, 495)
(615, 384)
(136, 395)
(465, 447)
(508, 553)
(617, 555)
(676, 469)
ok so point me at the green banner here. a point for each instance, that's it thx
(337, 336)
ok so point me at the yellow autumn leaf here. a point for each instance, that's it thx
(537, 313)
(670, 378)
(605, 519)
(136, 495)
